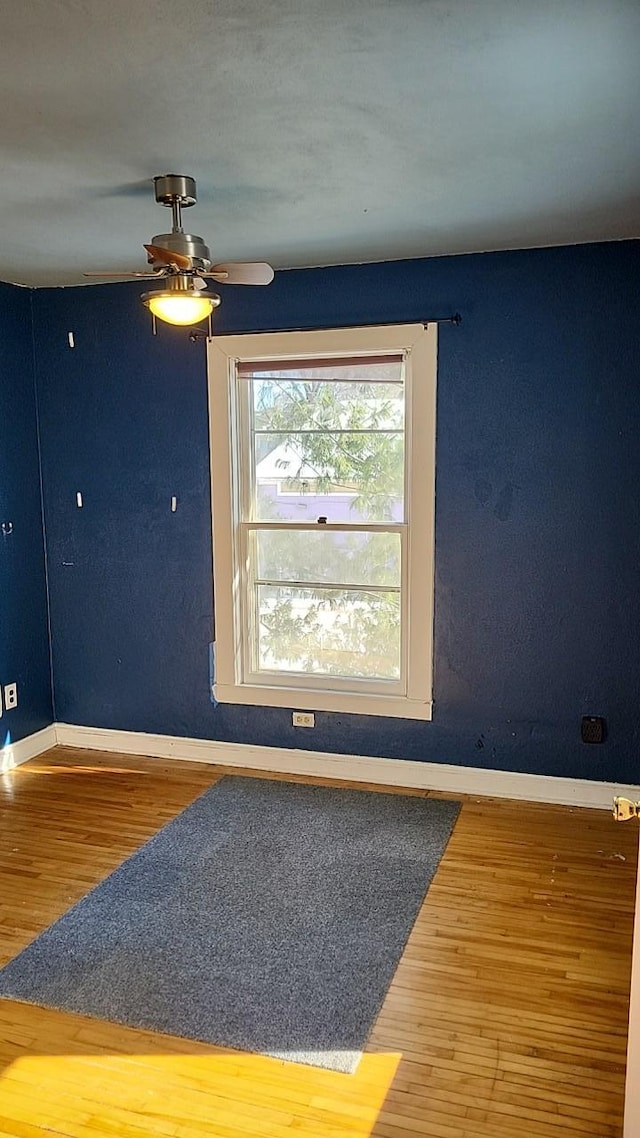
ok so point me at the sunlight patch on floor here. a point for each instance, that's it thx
(226, 1093)
(35, 767)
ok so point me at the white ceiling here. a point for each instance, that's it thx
(319, 131)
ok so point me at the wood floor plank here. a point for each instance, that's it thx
(506, 1017)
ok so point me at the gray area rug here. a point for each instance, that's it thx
(267, 916)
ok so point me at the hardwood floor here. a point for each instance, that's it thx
(506, 1017)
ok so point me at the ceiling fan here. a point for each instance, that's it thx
(184, 262)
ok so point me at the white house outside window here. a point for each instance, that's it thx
(323, 467)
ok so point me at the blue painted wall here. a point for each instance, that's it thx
(538, 517)
(24, 638)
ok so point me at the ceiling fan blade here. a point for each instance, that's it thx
(242, 273)
(124, 273)
(168, 257)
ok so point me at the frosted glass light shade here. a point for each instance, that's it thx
(176, 307)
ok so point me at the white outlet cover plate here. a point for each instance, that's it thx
(303, 719)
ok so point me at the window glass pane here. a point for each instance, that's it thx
(290, 403)
(335, 558)
(345, 477)
(331, 632)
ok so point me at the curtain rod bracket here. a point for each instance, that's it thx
(455, 319)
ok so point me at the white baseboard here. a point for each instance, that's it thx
(352, 768)
(357, 768)
(14, 754)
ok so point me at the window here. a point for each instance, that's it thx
(323, 467)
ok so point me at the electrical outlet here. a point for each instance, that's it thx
(10, 696)
(303, 719)
(593, 729)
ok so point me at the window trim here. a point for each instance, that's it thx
(223, 352)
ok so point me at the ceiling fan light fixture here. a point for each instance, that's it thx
(182, 306)
(184, 262)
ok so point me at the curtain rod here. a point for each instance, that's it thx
(196, 334)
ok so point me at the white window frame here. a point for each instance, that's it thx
(419, 345)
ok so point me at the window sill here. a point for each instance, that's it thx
(310, 699)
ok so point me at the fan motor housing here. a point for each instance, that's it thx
(186, 243)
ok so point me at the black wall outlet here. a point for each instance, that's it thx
(593, 729)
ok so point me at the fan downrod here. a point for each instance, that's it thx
(177, 192)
